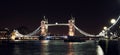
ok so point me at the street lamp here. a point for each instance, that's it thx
(56, 23)
(105, 28)
(105, 31)
(113, 21)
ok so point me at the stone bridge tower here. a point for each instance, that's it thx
(71, 23)
(44, 27)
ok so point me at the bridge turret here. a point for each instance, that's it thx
(71, 27)
(44, 27)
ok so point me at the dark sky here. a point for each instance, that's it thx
(90, 15)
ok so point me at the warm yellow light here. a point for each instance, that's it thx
(70, 29)
(71, 33)
(45, 41)
(42, 30)
(13, 36)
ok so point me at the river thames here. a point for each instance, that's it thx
(57, 47)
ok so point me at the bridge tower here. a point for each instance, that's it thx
(44, 27)
(71, 27)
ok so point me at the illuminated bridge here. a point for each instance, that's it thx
(43, 30)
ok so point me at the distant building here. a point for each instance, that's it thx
(4, 33)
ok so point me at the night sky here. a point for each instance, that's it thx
(90, 15)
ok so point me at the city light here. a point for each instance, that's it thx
(105, 28)
(113, 21)
(56, 23)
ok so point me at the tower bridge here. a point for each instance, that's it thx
(44, 25)
(43, 30)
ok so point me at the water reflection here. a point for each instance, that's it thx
(99, 50)
(53, 47)
(28, 48)
(70, 49)
(16, 50)
(44, 47)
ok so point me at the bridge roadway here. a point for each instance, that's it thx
(56, 38)
(66, 38)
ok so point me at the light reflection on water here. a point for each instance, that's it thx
(54, 47)
(99, 50)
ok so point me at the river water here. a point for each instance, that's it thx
(51, 47)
